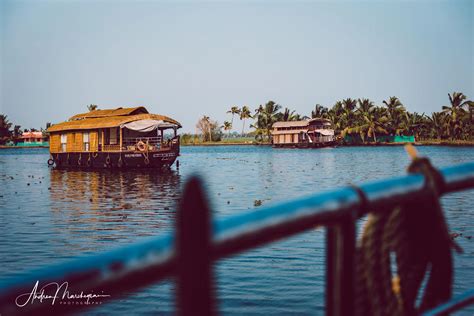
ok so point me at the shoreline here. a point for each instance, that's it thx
(22, 147)
(213, 144)
(420, 143)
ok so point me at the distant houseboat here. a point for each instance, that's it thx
(315, 132)
(118, 138)
(32, 139)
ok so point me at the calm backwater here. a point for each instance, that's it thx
(50, 215)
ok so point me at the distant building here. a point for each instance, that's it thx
(316, 132)
(32, 139)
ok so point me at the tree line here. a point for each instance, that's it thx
(9, 134)
(363, 118)
(356, 117)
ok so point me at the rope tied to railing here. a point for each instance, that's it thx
(400, 248)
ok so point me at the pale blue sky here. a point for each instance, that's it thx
(190, 58)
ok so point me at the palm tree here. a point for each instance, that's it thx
(364, 105)
(349, 104)
(413, 124)
(336, 118)
(348, 107)
(244, 114)
(233, 110)
(370, 121)
(395, 113)
(287, 115)
(227, 126)
(319, 111)
(437, 121)
(92, 107)
(471, 119)
(454, 113)
(265, 116)
(5, 126)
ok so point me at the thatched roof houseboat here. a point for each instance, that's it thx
(316, 132)
(121, 137)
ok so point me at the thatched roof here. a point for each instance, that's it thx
(110, 112)
(293, 131)
(107, 122)
(31, 135)
(291, 124)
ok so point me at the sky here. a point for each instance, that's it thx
(189, 59)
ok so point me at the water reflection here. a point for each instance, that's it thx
(112, 205)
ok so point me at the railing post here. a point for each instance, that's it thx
(195, 292)
(340, 254)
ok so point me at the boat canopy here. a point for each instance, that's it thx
(109, 121)
(148, 125)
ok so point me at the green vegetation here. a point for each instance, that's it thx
(12, 136)
(192, 139)
(359, 119)
(210, 130)
(92, 107)
(5, 132)
(365, 121)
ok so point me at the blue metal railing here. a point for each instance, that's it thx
(198, 242)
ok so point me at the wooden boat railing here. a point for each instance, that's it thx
(131, 144)
(111, 147)
(324, 139)
(188, 255)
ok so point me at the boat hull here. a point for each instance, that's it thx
(120, 160)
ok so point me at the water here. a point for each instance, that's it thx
(51, 215)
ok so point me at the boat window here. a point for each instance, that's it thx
(113, 136)
(85, 141)
(63, 142)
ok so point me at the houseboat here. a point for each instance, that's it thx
(313, 133)
(115, 138)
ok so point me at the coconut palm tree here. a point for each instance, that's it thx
(471, 120)
(233, 110)
(436, 122)
(370, 121)
(92, 107)
(348, 107)
(335, 116)
(364, 105)
(319, 111)
(395, 114)
(5, 126)
(287, 115)
(414, 123)
(244, 114)
(266, 116)
(227, 126)
(454, 113)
